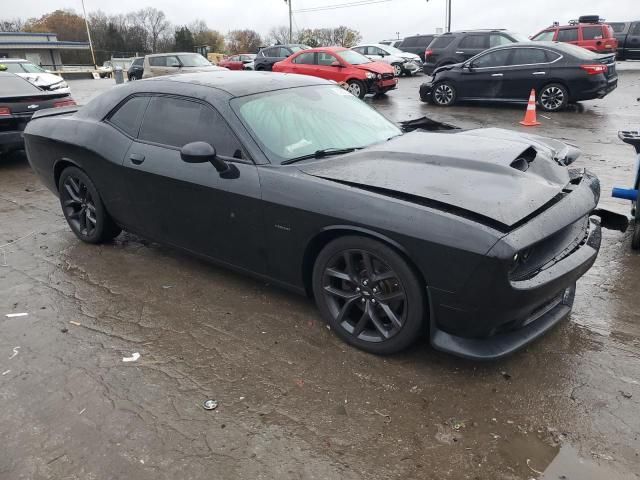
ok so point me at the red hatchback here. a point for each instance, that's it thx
(342, 65)
(241, 61)
(587, 32)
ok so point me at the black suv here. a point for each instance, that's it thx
(136, 69)
(416, 44)
(267, 56)
(628, 35)
(457, 47)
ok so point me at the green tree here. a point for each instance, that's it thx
(184, 39)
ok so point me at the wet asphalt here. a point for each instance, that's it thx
(294, 402)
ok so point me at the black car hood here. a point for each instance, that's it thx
(444, 68)
(482, 172)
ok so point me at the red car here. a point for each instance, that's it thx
(588, 32)
(241, 61)
(342, 65)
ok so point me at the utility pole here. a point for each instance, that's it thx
(290, 21)
(448, 15)
(86, 23)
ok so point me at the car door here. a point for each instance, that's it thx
(190, 205)
(471, 45)
(305, 64)
(528, 68)
(632, 45)
(484, 76)
(326, 68)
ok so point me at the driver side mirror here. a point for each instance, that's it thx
(203, 152)
(336, 64)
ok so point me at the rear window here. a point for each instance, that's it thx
(592, 33)
(568, 35)
(441, 42)
(138, 62)
(618, 27)
(12, 85)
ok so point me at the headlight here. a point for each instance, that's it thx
(379, 77)
(371, 76)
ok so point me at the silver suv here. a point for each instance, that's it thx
(160, 64)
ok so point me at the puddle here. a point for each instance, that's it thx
(568, 465)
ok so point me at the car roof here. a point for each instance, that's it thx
(13, 60)
(379, 45)
(171, 53)
(241, 83)
(322, 49)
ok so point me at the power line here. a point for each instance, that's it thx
(336, 6)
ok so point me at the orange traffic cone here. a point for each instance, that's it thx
(530, 115)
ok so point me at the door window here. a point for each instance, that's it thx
(497, 58)
(497, 40)
(475, 42)
(441, 42)
(592, 33)
(127, 118)
(158, 61)
(635, 29)
(359, 49)
(176, 121)
(326, 59)
(568, 35)
(410, 42)
(528, 56)
(546, 36)
(283, 52)
(376, 51)
(304, 59)
(173, 62)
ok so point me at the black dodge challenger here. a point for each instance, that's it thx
(476, 237)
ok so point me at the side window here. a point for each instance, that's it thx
(551, 56)
(423, 42)
(410, 42)
(326, 59)
(158, 61)
(441, 42)
(496, 40)
(283, 52)
(304, 59)
(618, 27)
(377, 51)
(592, 33)
(234, 58)
(528, 56)
(359, 49)
(138, 62)
(173, 62)
(267, 52)
(475, 42)
(128, 117)
(545, 36)
(498, 58)
(635, 29)
(175, 122)
(568, 35)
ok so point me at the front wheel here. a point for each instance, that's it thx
(83, 208)
(369, 295)
(397, 69)
(553, 97)
(444, 94)
(357, 88)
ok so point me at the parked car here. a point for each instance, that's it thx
(402, 62)
(35, 74)
(393, 43)
(267, 56)
(361, 75)
(457, 47)
(241, 61)
(587, 32)
(416, 44)
(317, 192)
(171, 63)
(628, 36)
(106, 70)
(136, 69)
(19, 100)
(560, 73)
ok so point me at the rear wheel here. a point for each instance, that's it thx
(357, 88)
(83, 208)
(444, 94)
(553, 97)
(369, 295)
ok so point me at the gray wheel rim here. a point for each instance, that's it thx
(78, 206)
(443, 94)
(397, 70)
(354, 88)
(552, 98)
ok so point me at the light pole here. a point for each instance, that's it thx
(447, 20)
(86, 23)
(290, 21)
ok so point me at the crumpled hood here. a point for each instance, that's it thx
(375, 67)
(444, 68)
(477, 171)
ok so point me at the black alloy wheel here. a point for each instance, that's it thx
(83, 208)
(369, 295)
(443, 94)
(553, 98)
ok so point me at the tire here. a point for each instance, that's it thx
(392, 297)
(83, 208)
(635, 237)
(444, 94)
(357, 88)
(553, 97)
(397, 69)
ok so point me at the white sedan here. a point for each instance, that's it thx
(402, 62)
(36, 75)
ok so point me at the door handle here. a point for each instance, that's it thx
(136, 158)
(539, 73)
(497, 74)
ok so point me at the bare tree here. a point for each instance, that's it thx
(155, 23)
(11, 25)
(279, 35)
(243, 41)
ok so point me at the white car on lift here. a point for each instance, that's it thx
(402, 62)
(35, 74)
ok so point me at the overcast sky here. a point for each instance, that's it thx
(375, 22)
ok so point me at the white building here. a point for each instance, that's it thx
(39, 48)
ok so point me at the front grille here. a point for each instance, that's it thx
(387, 76)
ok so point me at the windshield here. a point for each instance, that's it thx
(300, 121)
(194, 60)
(354, 58)
(31, 68)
